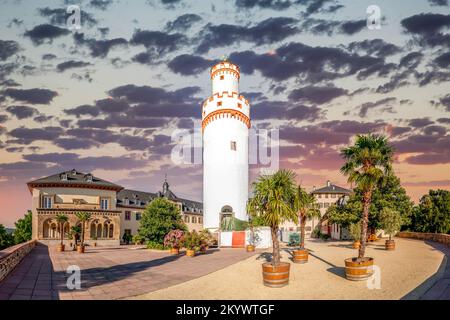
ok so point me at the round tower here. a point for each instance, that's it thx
(225, 126)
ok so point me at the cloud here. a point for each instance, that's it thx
(157, 41)
(264, 4)
(22, 112)
(187, 64)
(71, 64)
(58, 16)
(33, 96)
(99, 48)
(183, 22)
(438, 2)
(7, 49)
(100, 4)
(83, 110)
(28, 135)
(426, 23)
(48, 56)
(376, 47)
(317, 94)
(444, 101)
(3, 118)
(385, 104)
(44, 32)
(112, 105)
(443, 60)
(419, 122)
(268, 31)
(281, 110)
(147, 94)
(330, 27)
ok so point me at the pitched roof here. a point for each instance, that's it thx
(74, 178)
(331, 188)
(136, 198)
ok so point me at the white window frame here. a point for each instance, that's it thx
(104, 201)
(47, 202)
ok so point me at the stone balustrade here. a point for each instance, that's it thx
(11, 257)
(437, 237)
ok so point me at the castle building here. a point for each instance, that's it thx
(114, 210)
(225, 127)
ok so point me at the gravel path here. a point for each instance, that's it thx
(406, 272)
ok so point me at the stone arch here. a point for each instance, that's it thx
(226, 209)
(50, 229)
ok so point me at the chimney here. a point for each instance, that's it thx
(328, 183)
(314, 188)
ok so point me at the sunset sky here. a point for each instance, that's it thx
(106, 98)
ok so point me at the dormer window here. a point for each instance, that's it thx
(126, 201)
(64, 177)
(88, 177)
(74, 172)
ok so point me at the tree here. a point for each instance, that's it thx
(22, 233)
(61, 219)
(160, 217)
(75, 232)
(83, 217)
(355, 231)
(367, 161)
(306, 208)
(432, 214)
(273, 202)
(6, 239)
(391, 221)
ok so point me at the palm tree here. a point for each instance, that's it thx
(272, 201)
(306, 208)
(368, 160)
(75, 232)
(83, 217)
(61, 219)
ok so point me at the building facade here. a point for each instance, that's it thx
(325, 197)
(114, 210)
(225, 127)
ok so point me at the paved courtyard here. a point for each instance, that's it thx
(108, 273)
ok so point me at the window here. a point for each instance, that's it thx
(127, 201)
(219, 103)
(47, 202)
(194, 219)
(233, 145)
(326, 205)
(319, 196)
(127, 231)
(321, 205)
(104, 204)
(64, 177)
(200, 220)
(333, 195)
(222, 77)
(138, 216)
(326, 196)
(186, 219)
(89, 178)
(240, 105)
(127, 215)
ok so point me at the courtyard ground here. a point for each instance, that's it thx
(409, 272)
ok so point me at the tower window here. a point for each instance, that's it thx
(240, 105)
(222, 77)
(219, 103)
(233, 145)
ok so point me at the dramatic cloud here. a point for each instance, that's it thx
(28, 135)
(183, 22)
(83, 110)
(71, 64)
(157, 41)
(58, 16)
(99, 48)
(264, 4)
(187, 64)
(33, 96)
(375, 47)
(426, 23)
(280, 110)
(268, 31)
(445, 102)
(443, 60)
(22, 112)
(8, 49)
(44, 32)
(317, 95)
(330, 27)
(100, 4)
(384, 104)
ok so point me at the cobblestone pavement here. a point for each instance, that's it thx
(108, 273)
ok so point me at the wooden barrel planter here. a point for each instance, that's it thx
(60, 247)
(356, 245)
(190, 253)
(300, 256)
(174, 251)
(358, 270)
(250, 248)
(80, 249)
(275, 276)
(390, 245)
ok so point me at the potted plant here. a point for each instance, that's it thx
(83, 217)
(355, 232)
(306, 208)
(273, 202)
(61, 219)
(391, 221)
(174, 240)
(138, 239)
(206, 240)
(191, 243)
(95, 240)
(367, 161)
(75, 232)
(126, 238)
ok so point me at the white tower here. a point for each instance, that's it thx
(225, 125)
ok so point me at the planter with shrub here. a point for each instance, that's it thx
(391, 222)
(192, 242)
(138, 239)
(355, 232)
(174, 240)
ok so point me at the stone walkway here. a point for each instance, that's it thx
(108, 273)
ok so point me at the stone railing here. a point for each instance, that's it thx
(11, 257)
(437, 237)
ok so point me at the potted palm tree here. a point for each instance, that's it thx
(355, 232)
(75, 232)
(273, 203)
(174, 240)
(306, 208)
(61, 219)
(83, 217)
(367, 161)
(391, 222)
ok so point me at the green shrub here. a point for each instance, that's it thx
(138, 239)
(192, 240)
(155, 245)
(294, 239)
(233, 224)
(324, 236)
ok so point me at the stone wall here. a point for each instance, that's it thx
(11, 257)
(437, 237)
